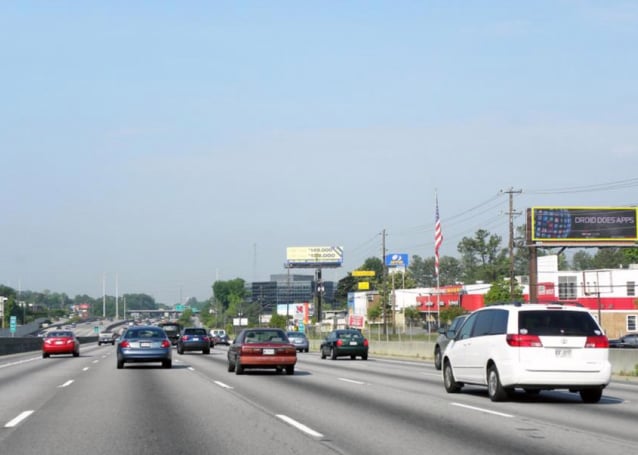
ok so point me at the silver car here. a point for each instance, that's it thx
(144, 344)
(299, 340)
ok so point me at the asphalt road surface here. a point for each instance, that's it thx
(66, 405)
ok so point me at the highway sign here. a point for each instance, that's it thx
(12, 324)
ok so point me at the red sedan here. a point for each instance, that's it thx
(60, 342)
(262, 348)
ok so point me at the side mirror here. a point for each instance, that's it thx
(450, 334)
(441, 331)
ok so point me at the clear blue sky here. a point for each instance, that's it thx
(174, 143)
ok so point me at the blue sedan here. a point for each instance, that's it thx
(144, 344)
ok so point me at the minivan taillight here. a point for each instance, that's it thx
(599, 341)
(524, 341)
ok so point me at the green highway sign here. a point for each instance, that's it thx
(12, 324)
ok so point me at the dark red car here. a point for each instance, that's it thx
(60, 342)
(262, 348)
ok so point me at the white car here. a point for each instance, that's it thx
(533, 347)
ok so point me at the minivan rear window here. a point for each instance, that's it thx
(557, 323)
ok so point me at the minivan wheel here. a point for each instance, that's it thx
(451, 386)
(495, 390)
(591, 395)
(437, 358)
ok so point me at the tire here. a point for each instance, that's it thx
(323, 353)
(45, 355)
(120, 364)
(450, 384)
(231, 367)
(167, 364)
(206, 351)
(76, 354)
(99, 343)
(591, 395)
(180, 351)
(238, 368)
(437, 358)
(290, 370)
(306, 350)
(333, 353)
(495, 389)
(353, 357)
(364, 357)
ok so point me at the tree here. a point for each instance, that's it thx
(422, 271)
(582, 260)
(278, 321)
(227, 291)
(499, 292)
(483, 258)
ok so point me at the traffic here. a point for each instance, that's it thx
(77, 404)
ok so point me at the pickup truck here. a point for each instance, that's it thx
(106, 337)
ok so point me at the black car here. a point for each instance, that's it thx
(172, 329)
(628, 341)
(344, 342)
(193, 339)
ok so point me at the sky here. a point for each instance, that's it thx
(158, 146)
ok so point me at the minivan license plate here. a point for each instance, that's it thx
(563, 353)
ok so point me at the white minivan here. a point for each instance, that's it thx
(532, 347)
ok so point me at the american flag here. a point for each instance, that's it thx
(438, 238)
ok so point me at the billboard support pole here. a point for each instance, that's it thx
(318, 287)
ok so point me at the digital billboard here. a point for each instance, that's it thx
(583, 224)
(314, 256)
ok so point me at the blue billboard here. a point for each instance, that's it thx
(396, 260)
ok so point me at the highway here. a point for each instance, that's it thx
(66, 405)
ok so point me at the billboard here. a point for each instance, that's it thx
(583, 224)
(314, 256)
(396, 260)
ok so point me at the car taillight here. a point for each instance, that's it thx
(185, 337)
(125, 344)
(365, 343)
(339, 343)
(69, 341)
(524, 341)
(166, 344)
(600, 341)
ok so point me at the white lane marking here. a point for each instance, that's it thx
(221, 384)
(300, 426)
(18, 419)
(95, 361)
(66, 384)
(191, 368)
(85, 369)
(10, 364)
(352, 381)
(482, 410)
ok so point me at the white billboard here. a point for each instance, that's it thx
(314, 256)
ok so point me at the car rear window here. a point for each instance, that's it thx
(557, 323)
(144, 333)
(59, 334)
(273, 336)
(195, 331)
(350, 336)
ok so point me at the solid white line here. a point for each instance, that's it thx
(67, 383)
(221, 384)
(300, 426)
(352, 381)
(487, 411)
(19, 362)
(17, 420)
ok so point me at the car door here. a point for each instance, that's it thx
(459, 349)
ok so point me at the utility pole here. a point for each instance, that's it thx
(511, 214)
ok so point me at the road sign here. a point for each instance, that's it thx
(363, 273)
(96, 329)
(179, 307)
(12, 324)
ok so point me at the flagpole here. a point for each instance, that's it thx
(438, 239)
